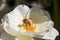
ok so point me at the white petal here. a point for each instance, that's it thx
(23, 38)
(41, 27)
(14, 18)
(52, 34)
(23, 10)
(5, 36)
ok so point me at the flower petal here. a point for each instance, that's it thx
(12, 19)
(23, 9)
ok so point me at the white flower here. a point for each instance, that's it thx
(13, 23)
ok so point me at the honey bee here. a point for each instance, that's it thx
(27, 21)
(28, 25)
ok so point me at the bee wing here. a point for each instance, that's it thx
(38, 15)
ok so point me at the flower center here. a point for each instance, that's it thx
(28, 25)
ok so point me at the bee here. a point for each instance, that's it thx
(27, 21)
(28, 25)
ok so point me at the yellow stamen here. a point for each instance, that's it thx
(29, 27)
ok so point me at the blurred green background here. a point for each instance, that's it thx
(52, 6)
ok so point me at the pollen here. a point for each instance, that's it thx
(29, 26)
